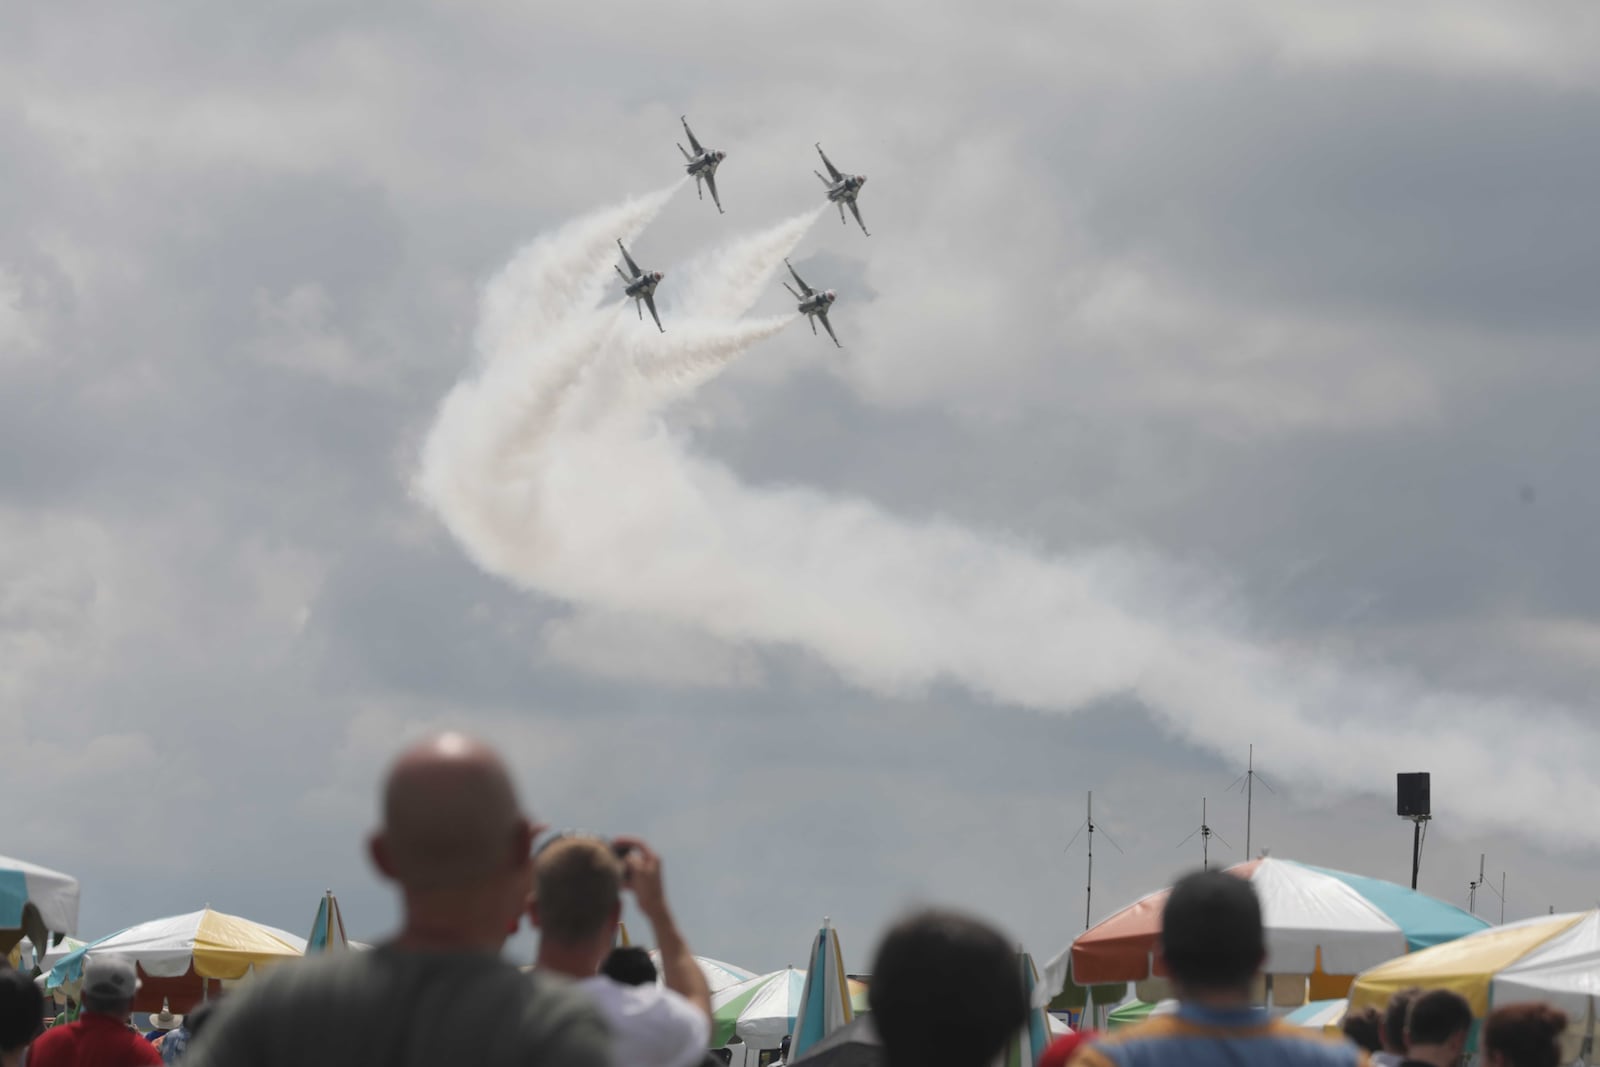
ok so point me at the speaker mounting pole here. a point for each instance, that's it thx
(1413, 801)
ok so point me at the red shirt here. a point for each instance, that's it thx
(92, 1041)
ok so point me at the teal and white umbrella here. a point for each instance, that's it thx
(825, 1002)
(35, 902)
(1028, 1043)
(1318, 1014)
(760, 1012)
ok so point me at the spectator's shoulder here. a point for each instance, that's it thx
(48, 1040)
(559, 1017)
(1315, 1047)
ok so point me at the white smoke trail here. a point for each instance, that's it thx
(601, 505)
(555, 274)
(728, 282)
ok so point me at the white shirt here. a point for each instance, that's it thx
(650, 1026)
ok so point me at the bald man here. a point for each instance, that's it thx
(458, 847)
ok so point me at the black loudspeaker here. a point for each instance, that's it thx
(1411, 795)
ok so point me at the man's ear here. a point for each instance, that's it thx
(378, 852)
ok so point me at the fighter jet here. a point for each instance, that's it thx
(843, 189)
(642, 286)
(702, 164)
(814, 304)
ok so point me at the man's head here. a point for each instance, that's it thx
(109, 986)
(451, 819)
(577, 896)
(1438, 1025)
(1364, 1029)
(1211, 934)
(199, 1017)
(1394, 1020)
(21, 1010)
(954, 969)
(629, 965)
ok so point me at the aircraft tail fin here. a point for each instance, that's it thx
(821, 179)
(686, 154)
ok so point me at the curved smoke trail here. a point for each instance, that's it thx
(569, 483)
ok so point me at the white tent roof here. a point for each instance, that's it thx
(53, 893)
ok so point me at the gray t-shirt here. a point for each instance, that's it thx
(403, 1009)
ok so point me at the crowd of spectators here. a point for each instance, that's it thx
(468, 864)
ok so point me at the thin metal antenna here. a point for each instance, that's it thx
(1472, 888)
(1088, 824)
(1247, 780)
(1206, 834)
(1501, 892)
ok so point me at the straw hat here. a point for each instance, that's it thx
(164, 1019)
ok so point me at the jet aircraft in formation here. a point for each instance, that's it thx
(702, 163)
(843, 189)
(641, 286)
(814, 303)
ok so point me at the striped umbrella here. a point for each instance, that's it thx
(327, 932)
(719, 975)
(35, 902)
(825, 1001)
(178, 956)
(760, 1012)
(1134, 1011)
(1321, 923)
(1554, 959)
(1028, 1043)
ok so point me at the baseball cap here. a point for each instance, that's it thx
(110, 979)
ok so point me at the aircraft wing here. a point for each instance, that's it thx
(634, 267)
(711, 183)
(804, 287)
(650, 302)
(857, 213)
(826, 162)
(826, 325)
(694, 144)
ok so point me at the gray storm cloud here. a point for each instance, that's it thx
(553, 467)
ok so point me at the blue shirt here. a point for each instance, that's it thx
(175, 1044)
(1195, 1036)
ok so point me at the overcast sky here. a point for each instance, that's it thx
(1292, 306)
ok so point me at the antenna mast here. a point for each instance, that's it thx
(1088, 825)
(1247, 782)
(1206, 834)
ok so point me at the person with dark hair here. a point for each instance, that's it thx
(458, 847)
(629, 965)
(21, 1015)
(1437, 1028)
(1214, 945)
(577, 903)
(945, 992)
(1524, 1035)
(1364, 1028)
(1394, 1028)
(101, 1035)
